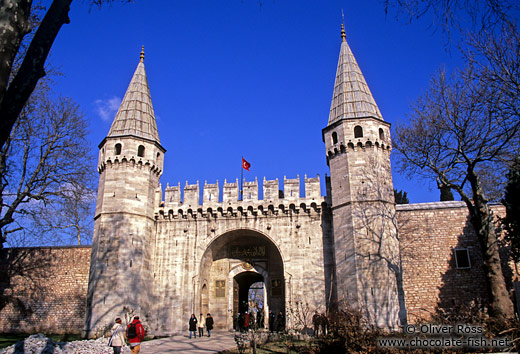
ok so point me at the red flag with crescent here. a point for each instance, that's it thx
(245, 164)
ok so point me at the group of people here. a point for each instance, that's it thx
(134, 332)
(276, 323)
(320, 323)
(246, 321)
(199, 325)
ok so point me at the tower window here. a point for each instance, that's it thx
(140, 151)
(334, 138)
(118, 149)
(381, 134)
(358, 132)
(462, 258)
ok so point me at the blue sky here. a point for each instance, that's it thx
(245, 78)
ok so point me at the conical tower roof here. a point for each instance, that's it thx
(351, 97)
(135, 115)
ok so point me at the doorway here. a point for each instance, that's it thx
(243, 271)
(248, 296)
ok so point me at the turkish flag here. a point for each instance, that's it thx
(245, 164)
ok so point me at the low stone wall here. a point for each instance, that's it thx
(43, 289)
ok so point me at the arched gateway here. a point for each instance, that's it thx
(166, 254)
(231, 264)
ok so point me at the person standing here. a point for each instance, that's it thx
(324, 324)
(209, 324)
(135, 334)
(260, 319)
(201, 326)
(316, 323)
(193, 325)
(252, 320)
(246, 321)
(281, 322)
(241, 319)
(117, 339)
(271, 321)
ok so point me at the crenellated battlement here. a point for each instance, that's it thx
(275, 201)
(132, 161)
(357, 145)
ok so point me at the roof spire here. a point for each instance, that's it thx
(351, 98)
(343, 35)
(136, 115)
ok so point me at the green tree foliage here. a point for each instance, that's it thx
(512, 203)
(446, 194)
(401, 197)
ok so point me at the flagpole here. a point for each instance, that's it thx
(241, 178)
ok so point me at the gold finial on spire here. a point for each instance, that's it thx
(343, 35)
(142, 53)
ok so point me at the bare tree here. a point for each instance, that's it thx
(15, 23)
(467, 125)
(459, 15)
(459, 131)
(46, 153)
(69, 218)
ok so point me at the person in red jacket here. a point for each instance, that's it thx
(135, 334)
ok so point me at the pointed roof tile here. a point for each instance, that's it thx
(136, 115)
(351, 97)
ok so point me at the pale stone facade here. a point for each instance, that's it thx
(47, 287)
(166, 256)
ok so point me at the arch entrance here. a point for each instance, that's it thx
(248, 298)
(241, 271)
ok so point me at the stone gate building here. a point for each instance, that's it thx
(166, 254)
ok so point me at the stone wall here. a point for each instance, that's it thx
(189, 242)
(429, 233)
(43, 289)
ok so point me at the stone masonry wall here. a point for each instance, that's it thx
(43, 289)
(429, 233)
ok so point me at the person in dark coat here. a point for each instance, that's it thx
(280, 322)
(271, 321)
(241, 319)
(316, 321)
(252, 320)
(209, 324)
(324, 324)
(193, 325)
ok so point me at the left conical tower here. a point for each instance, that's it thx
(130, 165)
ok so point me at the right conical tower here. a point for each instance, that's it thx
(366, 248)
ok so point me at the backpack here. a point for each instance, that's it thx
(131, 331)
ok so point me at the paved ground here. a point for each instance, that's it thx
(218, 341)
